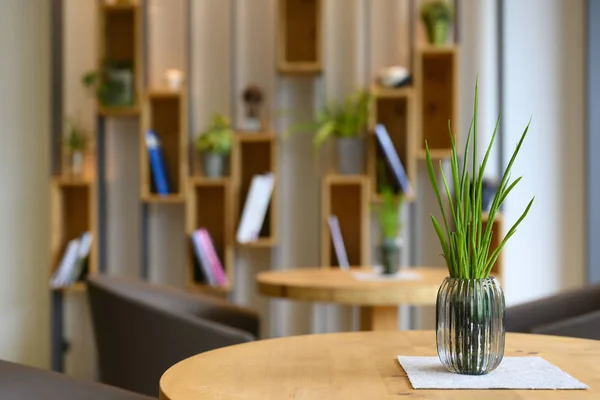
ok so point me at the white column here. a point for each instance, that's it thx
(24, 171)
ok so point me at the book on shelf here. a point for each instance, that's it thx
(157, 163)
(338, 242)
(255, 208)
(393, 161)
(203, 270)
(213, 258)
(74, 261)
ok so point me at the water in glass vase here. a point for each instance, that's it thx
(470, 325)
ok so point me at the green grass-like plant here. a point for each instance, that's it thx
(466, 247)
(391, 204)
(75, 137)
(218, 137)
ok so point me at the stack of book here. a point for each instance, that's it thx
(207, 266)
(255, 208)
(402, 184)
(73, 265)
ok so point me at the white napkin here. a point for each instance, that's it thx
(512, 373)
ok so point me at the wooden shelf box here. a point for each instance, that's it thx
(120, 41)
(497, 237)
(299, 36)
(347, 197)
(165, 114)
(394, 108)
(209, 207)
(256, 153)
(73, 212)
(437, 75)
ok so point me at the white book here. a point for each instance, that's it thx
(67, 263)
(338, 242)
(255, 208)
(85, 245)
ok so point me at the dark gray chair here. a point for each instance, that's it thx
(574, 313)
(141, 330)
(26, 383)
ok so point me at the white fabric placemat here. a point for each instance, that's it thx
(512, 373)
(403, 275)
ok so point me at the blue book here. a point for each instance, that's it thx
(392, 159)
(157, 163)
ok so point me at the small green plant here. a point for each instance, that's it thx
(391, 204)
(466, 247)
(347, 119)
(436, 11)
(218, 137)
(109, 91)
(75, 137)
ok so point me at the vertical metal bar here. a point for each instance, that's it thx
(56, 93)
(412, 38)
(190, 80)
(233, 14)
(101, 192)
(592, 142)
(58, 343)
(56, 104)
(144, 233)
(456, 21)
(500, 47)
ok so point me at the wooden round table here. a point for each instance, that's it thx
(358, 365)
(378, 299)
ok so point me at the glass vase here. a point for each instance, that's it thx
(470, 325)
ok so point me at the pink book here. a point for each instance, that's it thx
(215, 264)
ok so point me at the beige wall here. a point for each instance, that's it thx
(24, 171)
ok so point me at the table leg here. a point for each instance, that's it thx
(382, 318)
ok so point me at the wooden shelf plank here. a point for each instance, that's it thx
(203, 181)
(68, 181)
(436, 154)
(255, 136)
(265, 242)
(120, 6)
(157, 93)
(77, 287)
(382, 92)
(220, 291)
(175, 198)
(300, 68)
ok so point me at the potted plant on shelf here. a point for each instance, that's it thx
(113, 85)
(391, 205)
(347, 123)
(470, 302)
(215, 145)
(75, 143)
(437, 17)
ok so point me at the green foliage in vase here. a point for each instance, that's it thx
(466, 247)
(391, 205)
(436, 11)
(99, 84)
(75, 137)
(218, 137)
(347, 119)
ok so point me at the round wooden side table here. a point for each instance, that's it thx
(378, 299)
(358, 365)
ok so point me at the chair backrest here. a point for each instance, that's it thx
(141, 330)
(26, 383)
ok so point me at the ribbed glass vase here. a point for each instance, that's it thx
(470, 325)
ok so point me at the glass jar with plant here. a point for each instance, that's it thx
(75, 144)
(215, 145)
(347, 123)
(391, 206)
(470, 302)
(113, 85)
(437, 17)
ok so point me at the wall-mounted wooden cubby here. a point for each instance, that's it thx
(254, 154)
(497, 237)
(437, 74)
(394, 108)
(299, 36)
(347, 197)
(73, 212)
(120, 41)
(209, 206)
(164, 112)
